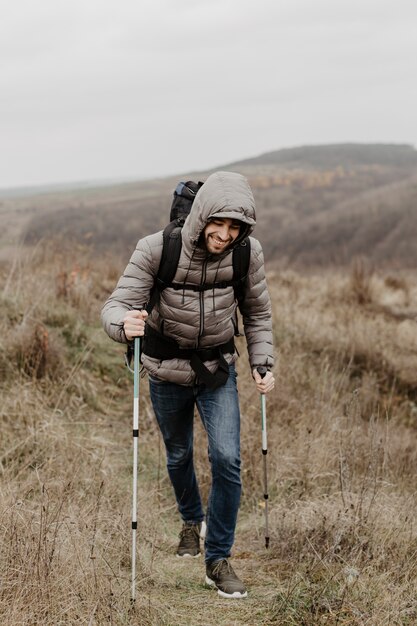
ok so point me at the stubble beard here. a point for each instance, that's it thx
(215, 245)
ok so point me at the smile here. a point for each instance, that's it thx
(218, 241)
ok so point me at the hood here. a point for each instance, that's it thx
(224, 195)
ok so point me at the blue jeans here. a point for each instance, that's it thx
(219, 411)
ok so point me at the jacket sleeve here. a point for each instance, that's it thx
(133, 287)
(256, 311)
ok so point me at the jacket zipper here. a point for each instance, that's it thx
(203, 280)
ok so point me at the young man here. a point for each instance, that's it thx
(189, 339)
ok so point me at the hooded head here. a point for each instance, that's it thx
(224, 195)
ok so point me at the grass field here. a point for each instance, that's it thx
(342, 458)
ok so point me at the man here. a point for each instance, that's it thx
(202, 323)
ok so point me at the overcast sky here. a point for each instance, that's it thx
(93, 89)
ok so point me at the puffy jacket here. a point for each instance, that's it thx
(199, 319)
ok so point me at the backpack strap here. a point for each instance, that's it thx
(241, 262)
(171, 250)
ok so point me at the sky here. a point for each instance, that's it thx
(97, 90)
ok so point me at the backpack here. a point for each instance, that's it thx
(182, 202)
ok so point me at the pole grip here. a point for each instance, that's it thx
(136, 344)
(262, 371)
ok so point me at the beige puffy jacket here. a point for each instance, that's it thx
(199, 319)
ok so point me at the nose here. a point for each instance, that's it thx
(224, 232)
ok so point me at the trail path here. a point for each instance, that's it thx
(171, 591)
(175, 593)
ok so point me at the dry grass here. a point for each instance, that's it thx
(342, 460)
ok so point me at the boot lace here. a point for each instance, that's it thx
(189, 535)
(223, 567)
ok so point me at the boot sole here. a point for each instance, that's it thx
(235, 595)
(188, 556)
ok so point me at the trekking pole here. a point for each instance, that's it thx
(135, 455)
(262, 370)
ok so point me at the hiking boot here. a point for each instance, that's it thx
(190, 535)
(221, 575)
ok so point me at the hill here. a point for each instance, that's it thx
(316, 206)
(344, 155)
(325, 205)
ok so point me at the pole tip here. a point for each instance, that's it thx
(266, 542)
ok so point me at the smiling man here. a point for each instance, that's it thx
(189, 355)
(220, 233)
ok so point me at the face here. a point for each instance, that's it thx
(220, 233)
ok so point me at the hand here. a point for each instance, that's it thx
(265, 384)
(134, 324)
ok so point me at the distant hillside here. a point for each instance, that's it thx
(343, 155)
(321, 205)
(316, 205)
(326, 205)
